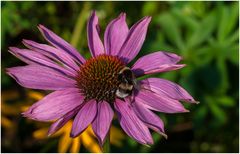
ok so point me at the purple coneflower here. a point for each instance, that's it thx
(91, 90)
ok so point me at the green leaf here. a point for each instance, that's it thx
(226, 101)
(218, 112)
(168, 75)
(203, 56)
(221, 65)
(204, 30)
(233, 54)
(228, 20)
(200, 114)
(131, 142)
(233, 38)
(149, 8)
(172, 30)
(190, 23)
(199, 8)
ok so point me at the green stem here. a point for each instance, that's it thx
(81, 20)
(106, 146)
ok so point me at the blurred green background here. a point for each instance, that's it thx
(206, 34)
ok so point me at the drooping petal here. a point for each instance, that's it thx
(131, 124)
(115, 34)
(161, 104)
(40, 77)
(55, 105)
(134, 40)
(94, 42)
(148, 117)
(84, 117)
(61, 44)
(167, 88)
(103, 120)
(156, 62)
(62, 121)
(31, 57)
(52, 52)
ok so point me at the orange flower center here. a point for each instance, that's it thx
(98, 78)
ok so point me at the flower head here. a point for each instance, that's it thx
(89, 91)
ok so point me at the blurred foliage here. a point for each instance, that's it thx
(206, 34)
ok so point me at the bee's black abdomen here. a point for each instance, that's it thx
(126, 76)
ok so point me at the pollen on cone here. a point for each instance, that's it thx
(98, 77)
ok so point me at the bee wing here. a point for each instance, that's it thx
(136, 85)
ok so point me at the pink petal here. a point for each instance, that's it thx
(158, 103)
(94, 42)
(102, 122)
(148, 117)
(62, 121)
(31, 57)
(40, 77)
(53, 53)
(61, 44)
(55, 105)
(25, 55)
(134, 40)
(115, 34)
(167, 88)
(162, 68)
(156, 62)
(84, 117)
(131, 124)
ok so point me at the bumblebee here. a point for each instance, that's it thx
(127, 82)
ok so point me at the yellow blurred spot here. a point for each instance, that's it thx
(24, 108)
(87, 138)
(6, 123)
(64, 143)
(116, 136)
(75, 145)
(9, 95)
(89, 142)
(9, 109)
(41, 133)
(35, 95)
